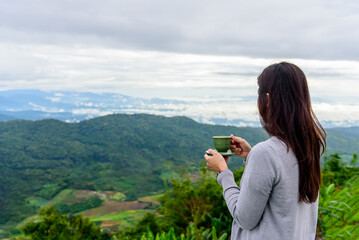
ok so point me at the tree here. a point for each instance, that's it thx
(53, 225)
(354, 160)
(334, 170)
(198, 201)
(150, 223)
(333, 163)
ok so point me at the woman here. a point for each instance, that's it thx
(278, 194)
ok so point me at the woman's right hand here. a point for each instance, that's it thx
(240, 146)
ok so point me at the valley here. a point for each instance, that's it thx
(110, 168)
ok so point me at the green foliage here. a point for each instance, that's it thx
(335, 209)
(354, 160)
(92, 202)
(333, 163)
(193, 207)
(170, 235)
(338, 216)
(199, 197)
(191, 201)
(53, 225)
(335, 170)
(325, 206)
(150, 223)
(338, 207)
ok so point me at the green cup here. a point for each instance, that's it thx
(222, 143)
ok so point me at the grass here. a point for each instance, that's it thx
(121, 220)
(118, 197)
(123, 215)
(158, 196)
(36, 201)
(26, 220)
(62, 196)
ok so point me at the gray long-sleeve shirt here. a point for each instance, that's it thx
(265, 206)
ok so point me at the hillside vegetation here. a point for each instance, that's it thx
(131, 154)
(192, 210)
(125, 153)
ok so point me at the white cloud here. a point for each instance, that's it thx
(87, 104)
(113, 70)
(54, 99)
(37, 107)
(243, 112)
(91, 111)
(337, 113)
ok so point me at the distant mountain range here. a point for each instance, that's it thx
(71, 106)
(78, 106)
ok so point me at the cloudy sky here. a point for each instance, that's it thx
(196, 51)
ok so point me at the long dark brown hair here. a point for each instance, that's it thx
(285, 107)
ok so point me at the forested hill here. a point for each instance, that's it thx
(127, 153)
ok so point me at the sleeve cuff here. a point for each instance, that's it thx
(226, 179)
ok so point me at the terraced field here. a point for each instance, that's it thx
(113, 213)
(122, 215)
(120, 220)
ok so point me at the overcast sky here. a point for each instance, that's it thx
(181, 49)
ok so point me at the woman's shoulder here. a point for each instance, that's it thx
(268, 150)
(273, 143)
(263, 159)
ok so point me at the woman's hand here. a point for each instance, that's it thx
(216, 162)
(240, 147)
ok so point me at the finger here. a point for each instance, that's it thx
(232, 137)
(233, 147)
(206, 156)
(236, 139)
(211, 151)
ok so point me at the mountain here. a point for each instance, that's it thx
(127, 153)
(73, 106)
(4, 117)
(120, 152)
(343, 140)
(347, 132)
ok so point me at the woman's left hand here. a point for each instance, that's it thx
(216, 162)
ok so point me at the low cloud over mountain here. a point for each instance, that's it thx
(77, 106)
